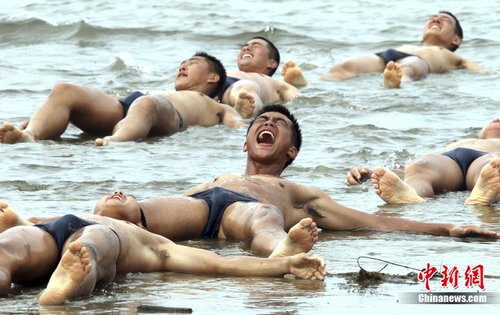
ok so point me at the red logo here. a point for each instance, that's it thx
(473, 276)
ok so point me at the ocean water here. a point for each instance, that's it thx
(137, 45)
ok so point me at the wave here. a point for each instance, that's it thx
(34, 30)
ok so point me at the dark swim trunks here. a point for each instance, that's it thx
(392, 55)
(464, 158)
(218, 199)
(229, 81)
(128, 100)
(62, 228)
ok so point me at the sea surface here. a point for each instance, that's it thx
(137, 45)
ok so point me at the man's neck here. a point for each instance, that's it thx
(433, 41)
(254, 168)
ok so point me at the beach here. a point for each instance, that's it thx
(138, 45)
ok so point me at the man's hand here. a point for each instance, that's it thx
(306, 266)
(472, 230)
(357, 175)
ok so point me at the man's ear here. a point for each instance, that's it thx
(457, 41)
(273, 64)
(245, 149)
(292, 152)
(213, 77)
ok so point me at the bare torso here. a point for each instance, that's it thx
(486, 145)
(438, 59)
(289, 198)
(270, 90)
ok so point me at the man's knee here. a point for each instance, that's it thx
(267, 217)
(63, 89)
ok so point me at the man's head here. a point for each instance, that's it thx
(119, 206)
(274, 136)
(491, 130)
(444, 30)
(203, 73)
(259, 55)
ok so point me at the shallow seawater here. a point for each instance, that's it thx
(137, 45)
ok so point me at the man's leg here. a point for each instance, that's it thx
(87, 108)
(424, 177)
(354, 66)
(244, 96)
(148, 115)
(483, 178)
(9, 218)
(27, 255)
(90, 257)
(264, 226)
(407, 69)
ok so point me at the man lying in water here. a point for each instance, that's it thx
(467, 164)
(442, 36)
(136, 116)
(77, 253)
(260, 207)
(252, 86)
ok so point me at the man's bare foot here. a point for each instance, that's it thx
(9, 218)
(392, 75)
(100, 142)
(487, 187)
(300, 239)
(292, 74)
(71, 272)
(11, 134)
(392, 189)
(245, 104)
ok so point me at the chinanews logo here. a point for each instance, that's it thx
(470, 278)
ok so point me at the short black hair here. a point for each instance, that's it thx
(216, 66)
(296, 131)
(458, 28)
(273, 53)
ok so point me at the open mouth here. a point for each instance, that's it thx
(246, 56)
(265, 137)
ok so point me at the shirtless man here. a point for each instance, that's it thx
(80, 252)
(136, 116)
(472, 164)
(259, 206)
(252, 86)
(442, 36)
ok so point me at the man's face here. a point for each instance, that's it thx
(269, 140)
(254, 57)
(192, 73)
(441, 29)
(491, 131)
(117, 205)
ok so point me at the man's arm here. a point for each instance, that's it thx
(199, 261)
(230, 117)
(471, 66)
(333, 216)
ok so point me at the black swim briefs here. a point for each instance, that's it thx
(128, 100)
(218, 199)
(392, 55)
(63, 228)
(464, 158)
